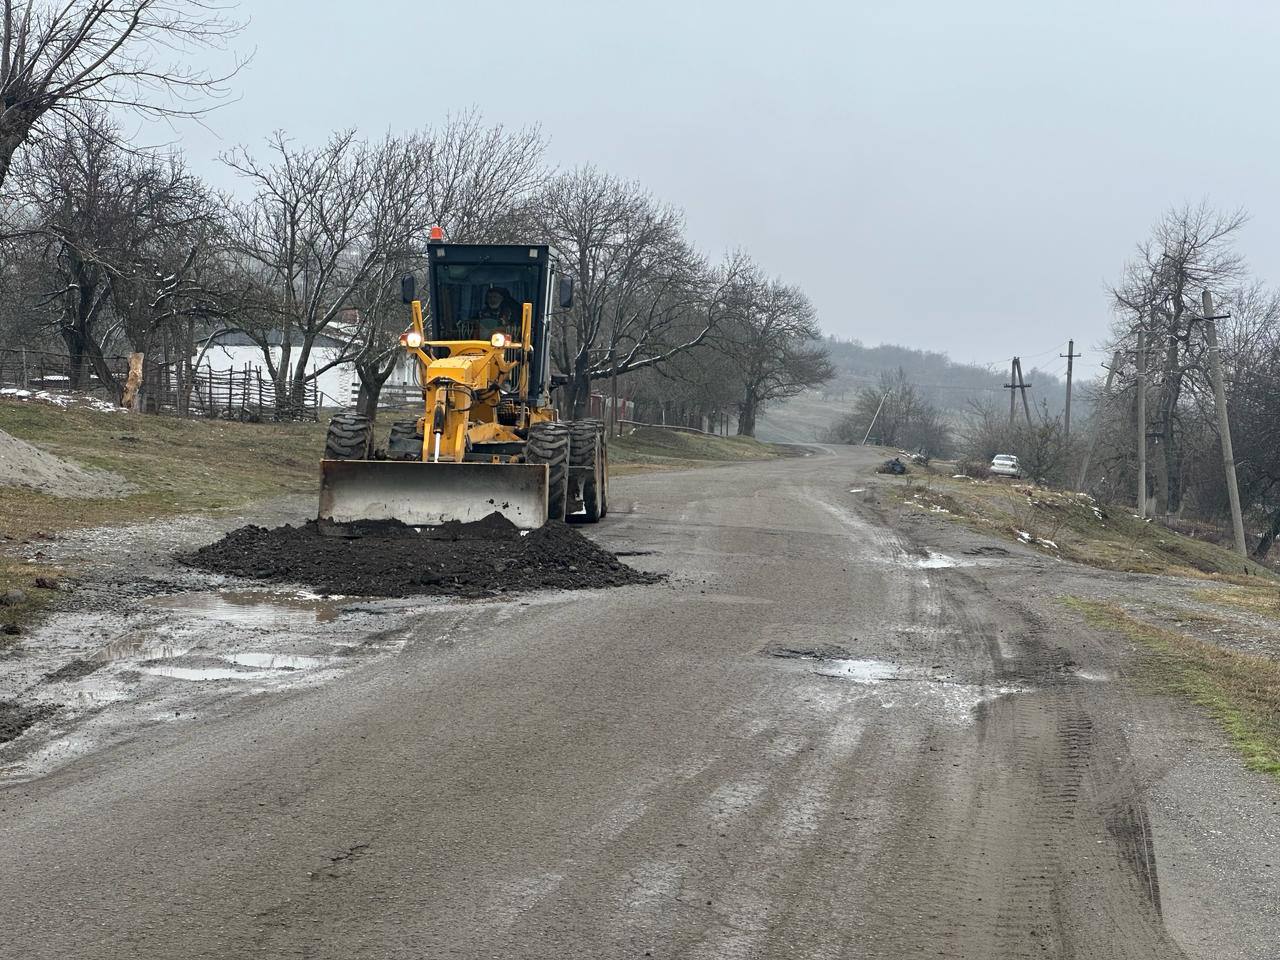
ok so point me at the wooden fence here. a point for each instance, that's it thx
(243, 394)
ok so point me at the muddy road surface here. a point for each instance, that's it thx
(835, 730)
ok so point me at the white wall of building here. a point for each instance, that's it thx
(336, 383)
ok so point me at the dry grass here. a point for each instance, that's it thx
(648, 448)
(1240, 690)
(178, 466)
(1075, 527)
(1257, 598)
(20, 574)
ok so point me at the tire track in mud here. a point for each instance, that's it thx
(1032, 813)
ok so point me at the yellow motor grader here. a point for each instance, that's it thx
(488, 439)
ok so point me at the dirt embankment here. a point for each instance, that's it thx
(26, 465)
(478, 559)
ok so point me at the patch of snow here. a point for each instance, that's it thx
(61, 400)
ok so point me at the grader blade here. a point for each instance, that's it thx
(429, 494)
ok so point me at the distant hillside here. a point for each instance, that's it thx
(948, 384)
(944, 382)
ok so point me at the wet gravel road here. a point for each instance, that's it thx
(832, 733)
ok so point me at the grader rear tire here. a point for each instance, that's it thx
(604, 475)
(586, 450)
(549, 444)
(404, 443)
(350, 437)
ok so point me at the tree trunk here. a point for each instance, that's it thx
(578, 391)
(747, 411)
(1170, 392)
(75, 355)
(1268, 537)
(372, 379)
(13, 133)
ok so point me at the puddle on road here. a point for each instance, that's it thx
(239, 666)
(938, 696)
(937, 561)
(862, 671)
(277, 661)
(137, 646)
(252, 608)
(199, 674)
(1093, 676)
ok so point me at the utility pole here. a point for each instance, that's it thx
(1224, 424)
(874, 419)
(1066, 419)
(1011, 386)
(1023, 386)
(1098, 410)
(1142, 423)
(1016, 383)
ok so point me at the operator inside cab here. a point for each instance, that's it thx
(500, 314)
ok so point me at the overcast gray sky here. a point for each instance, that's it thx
(964, 177)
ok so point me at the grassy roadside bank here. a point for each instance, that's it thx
(1241, 691)
(657, 448)
(1074, 527)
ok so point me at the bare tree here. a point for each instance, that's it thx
(903, 417)
(1190, 249)
(774, 340)
(643, 296)
(473, 181)
(111, 225)
(401, 170)
(303, 244)
(481, 180)
(65, 58)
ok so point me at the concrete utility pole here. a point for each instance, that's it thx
(1016, 383)
(1066, 419)
(1011, 386)
(1102, 403)
(1224, 424)
(1023, 386)
(874, 419)
(1142, 423)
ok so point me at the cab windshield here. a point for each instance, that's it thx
(474, 301)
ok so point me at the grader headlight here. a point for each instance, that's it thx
(411, 339)
(498, 340)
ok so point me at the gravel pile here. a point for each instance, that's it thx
(26, 465)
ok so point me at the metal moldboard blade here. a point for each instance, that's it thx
(429, 494)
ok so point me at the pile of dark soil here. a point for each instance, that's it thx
(389, 559)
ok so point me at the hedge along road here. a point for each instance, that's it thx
(817, 739)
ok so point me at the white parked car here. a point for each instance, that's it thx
(1006, 465)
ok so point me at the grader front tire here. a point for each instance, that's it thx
(549, 443)
(350, 437)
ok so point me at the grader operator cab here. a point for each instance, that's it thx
(488, 438)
